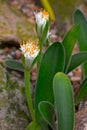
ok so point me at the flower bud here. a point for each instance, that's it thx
(42, 24)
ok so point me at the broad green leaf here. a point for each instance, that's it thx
(47, 111)
(63, 101)
(82, 37)
(33, 126)
(82, 93)
(52, 62)
(76, 60)
(69, 42)
(15, 65)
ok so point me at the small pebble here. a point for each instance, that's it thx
(18, 54)
(74, 79)
(70, 74)
(34, 76)
(16, 74)
(53, 38)
(7, 50)
(85, 128)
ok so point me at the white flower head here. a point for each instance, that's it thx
(30, 51)
(41, 17)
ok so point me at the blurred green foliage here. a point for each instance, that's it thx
(61, 9)
(48, 7)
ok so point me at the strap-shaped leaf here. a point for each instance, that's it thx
(69, 42)
(76, 60)
(80, 19)
(15, 65)
(82, 38)
(82, 93)
(52, 62)
(63, 101)
(47, 111)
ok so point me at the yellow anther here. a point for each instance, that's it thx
(30, 47)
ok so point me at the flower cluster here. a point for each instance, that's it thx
(30, 51)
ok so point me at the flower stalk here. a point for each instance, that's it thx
(39, 56)
(28, 93)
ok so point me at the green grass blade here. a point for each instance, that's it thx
(63, 101)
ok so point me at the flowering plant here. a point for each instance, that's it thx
(53, 95)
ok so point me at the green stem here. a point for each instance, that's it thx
(40, 56)
(39, 60)
(28, 93)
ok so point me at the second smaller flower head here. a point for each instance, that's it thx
(30, 50)
(42, 18)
